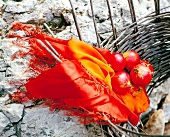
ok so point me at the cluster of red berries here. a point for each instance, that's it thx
(131, 73)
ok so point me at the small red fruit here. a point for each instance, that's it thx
(132, 58)
(121, 82)
(140, 75)
(117, 61)
(147, 64)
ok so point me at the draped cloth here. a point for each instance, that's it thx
(81, 83)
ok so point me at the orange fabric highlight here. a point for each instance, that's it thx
(139, 101)
(91, 59)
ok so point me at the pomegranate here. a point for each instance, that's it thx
(132, 58)
(140, 75)
(121, 82)
(117, 61)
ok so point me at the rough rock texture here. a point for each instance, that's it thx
(17, 120)
(166, 108)
(156, 123)
(4, 122)
(14, 112)
(167, 129)
(39, 121)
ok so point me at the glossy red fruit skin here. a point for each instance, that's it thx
(132, 58)
(140, 75)
(121, 82)
(147, 64)
(117, 61)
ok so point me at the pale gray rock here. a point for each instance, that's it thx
(4, 99)
(13, 111)
(3, 24)
(20, 7)
(166, 108)
(1, 3)
(9, 131)
(3, 65)
(29, 10)
(8, 18)
(40, 122)
(6, 71)
(4, 121)
(11, 70)
(159, 93)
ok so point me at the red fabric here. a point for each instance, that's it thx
(81, 81)
(77, 88)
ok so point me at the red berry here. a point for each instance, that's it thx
(121, 82)
(117, 61)
(140, 75)
(147, 64)
(132, 58)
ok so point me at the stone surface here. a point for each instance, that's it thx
(166, 108)
(167, 129)
(14, 112)
(39, 121)
(4, 99)
(9, 131)
(24, 6)
(4, 121)
(156, 123)
(159, 93)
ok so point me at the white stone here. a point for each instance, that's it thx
(14, 112)
(166, 108)
(20, 7)
(4, 121)
(10, 131)
(3, 24)
(39, 121)
(1, 3)
(159, 93)
(4, 99)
